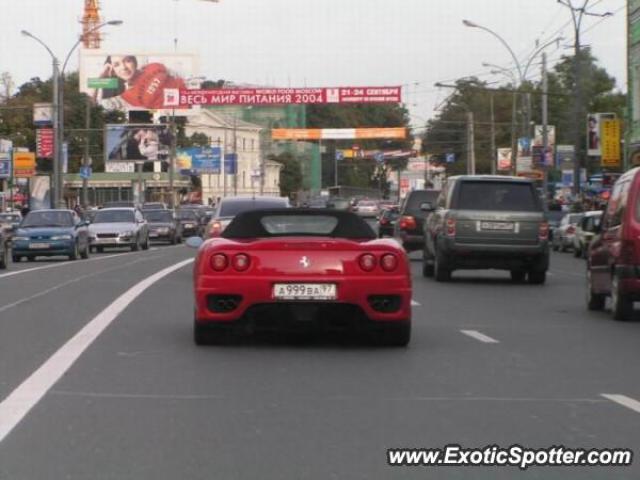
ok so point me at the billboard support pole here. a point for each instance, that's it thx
(57, 146)
(545, 130)
(172, 159)
(85, 157)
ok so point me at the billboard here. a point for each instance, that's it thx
(181, 98)
(24, 164)
(337, 133)
(44, 143)
(504, 159)
(610, 143)
(133, 81)
(40, 192)
(137, 142)
(5, 165)
(594, 132)
(197, 160)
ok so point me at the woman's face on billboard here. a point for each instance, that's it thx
(123, 67)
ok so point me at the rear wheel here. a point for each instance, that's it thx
(395, 334)
(209, 334)
(4, 259)
(621, 304)
(441, 271)
(595, 301)
(577, 252)
(427, 265)
(85, 252)
(136, 246)
(145, 245)
(74, 253)
(518, 276)
(537, 277)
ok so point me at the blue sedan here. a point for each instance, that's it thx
(49, 233)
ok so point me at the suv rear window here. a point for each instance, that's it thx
(417, 198)
(497, 196)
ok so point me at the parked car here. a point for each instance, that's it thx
(51, 233)
(614, 254)
(564, 234)
(229, 207)
(337, 203)
(154, 206)
(163, 226)
(387, 222)
(190, 221)
(119, 227)
(367, 209)
(585, 233)
(120, 204)
(9, 223)
(482, 222)
(301, 270)
(4, 251)
(409, 229)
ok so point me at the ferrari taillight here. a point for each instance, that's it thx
(241, 262)
(543, 231)
(219, 262)
(367, 262)
(407, 222)
(389, 262)
(451, 227)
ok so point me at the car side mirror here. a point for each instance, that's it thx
(427, 207)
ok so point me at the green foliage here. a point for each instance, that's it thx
(290, 174)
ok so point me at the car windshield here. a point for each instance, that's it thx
(187, 215)
(114, 216)
(48, 219)
(575, 218)
(417, 198)
(497, 196)
(158, 216)
(233, 208)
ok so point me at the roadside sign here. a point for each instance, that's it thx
(109, 82)
(5, 165)
(24, 164)
(610, 142)
(451, 157)
(379, 157)
(85, 172)
(339, 155)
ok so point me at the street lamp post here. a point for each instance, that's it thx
(58, 109)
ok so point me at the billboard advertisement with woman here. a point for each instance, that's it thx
(126, 81)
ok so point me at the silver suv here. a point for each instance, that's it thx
(119, 227)
(484, 222)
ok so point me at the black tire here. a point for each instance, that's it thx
(595, 301)
(441, 271)
(518, 276)
(136, 246)
(395, 335)
(621, 304)
(4, 259)
(577, 252)
(174, 240)
(74, 254)
(145, 245)
(537, 277)
(427, 265)
(85, 252)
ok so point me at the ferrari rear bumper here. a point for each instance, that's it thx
(250, 299)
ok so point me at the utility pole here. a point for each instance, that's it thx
(545, 129)
(493, 136)
(57, 137)
(577, 15)
(471, 155)
(172, 160)
(85, 157)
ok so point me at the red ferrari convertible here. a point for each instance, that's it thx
(301, 270)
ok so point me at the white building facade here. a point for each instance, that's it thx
(243, 138)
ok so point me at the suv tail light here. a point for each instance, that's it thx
(384, 221)
(367, 262)
(219, 262)
(451, 227)
(407, 222)
(543, 231)
(241, 262)
(389, 262)
(571, 230)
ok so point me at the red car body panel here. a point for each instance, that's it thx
(279, 260)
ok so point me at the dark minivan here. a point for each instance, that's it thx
(485, 221)
(613, 262)
(409, 228)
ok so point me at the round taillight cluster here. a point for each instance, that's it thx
(219, 262)
(241, 262)
(389, 262)
(367, 262)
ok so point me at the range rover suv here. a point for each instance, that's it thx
(483, 222)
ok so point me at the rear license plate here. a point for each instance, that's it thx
(39, 245)
(153, 235)
(500, 226)
(304, 291)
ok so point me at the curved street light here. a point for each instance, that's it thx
(57, 104)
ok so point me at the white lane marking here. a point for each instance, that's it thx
(479, 336)
(570, 274)
(415, 304)
(26, 396)
(69, 282)
(624, 401)
(64, 264)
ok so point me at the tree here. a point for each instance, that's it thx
(290, 174)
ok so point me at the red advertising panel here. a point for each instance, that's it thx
(182, 98)
(44, 143)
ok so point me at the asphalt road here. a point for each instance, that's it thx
(141, 401)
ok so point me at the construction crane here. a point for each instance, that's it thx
(90, 20)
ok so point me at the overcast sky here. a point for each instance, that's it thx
(413, 43)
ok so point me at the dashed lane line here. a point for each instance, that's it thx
(479, 336)
(623, 400)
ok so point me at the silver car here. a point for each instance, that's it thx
(367, 209)
(119, 227)
(585, 231)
